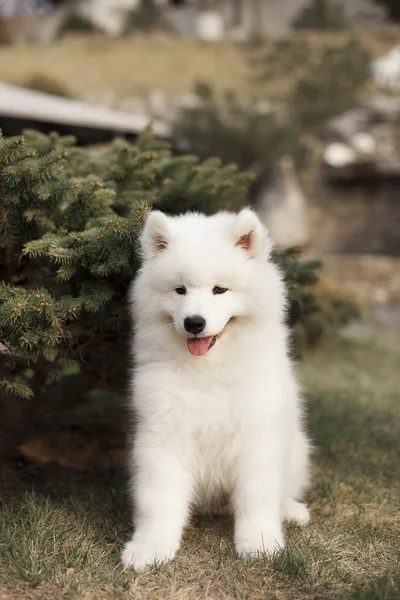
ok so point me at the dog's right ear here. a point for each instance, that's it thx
(250, 235)
(155, 236)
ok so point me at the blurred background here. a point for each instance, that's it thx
(304, 95)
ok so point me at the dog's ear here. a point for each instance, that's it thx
(250, 235)
(155, 235)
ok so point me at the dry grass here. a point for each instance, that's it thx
(65, 542)
(135, 65)
(127, 66)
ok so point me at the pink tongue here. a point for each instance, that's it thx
(199, 346)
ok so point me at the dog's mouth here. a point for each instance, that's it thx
(200, 346)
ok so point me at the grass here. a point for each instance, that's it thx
(63, 541)
(135, 65)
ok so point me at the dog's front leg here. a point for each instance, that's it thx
(161, 490)
(257, 497)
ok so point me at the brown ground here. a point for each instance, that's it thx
(138, 64)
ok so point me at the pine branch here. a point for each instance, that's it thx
(7, 245)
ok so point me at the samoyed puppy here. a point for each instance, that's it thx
(217, 407)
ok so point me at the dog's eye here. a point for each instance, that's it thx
(219, 290)
(181, 290)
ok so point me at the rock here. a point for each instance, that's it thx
(136, 105)
(387, 157)
(187, 101)
(183, 19)
(103, 98)
(386, 70)
(365, 142)
(345, 161)
(157, 100)
(373, 154)
(210, 26)
(338, 155)
(343, 127)
(385, 108)
(281, 206)
(264, 107)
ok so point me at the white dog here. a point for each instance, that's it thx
(217, 406)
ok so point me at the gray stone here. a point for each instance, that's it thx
(281, 206)
(343, 127)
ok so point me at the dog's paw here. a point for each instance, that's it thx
(296, 511)
(260, 545)
(140, 557)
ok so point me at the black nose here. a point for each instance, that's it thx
(195, 324)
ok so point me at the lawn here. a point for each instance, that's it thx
(62, 538)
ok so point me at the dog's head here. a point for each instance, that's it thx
(201, 273)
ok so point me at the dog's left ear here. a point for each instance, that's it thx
(250, 235)
(155, 235)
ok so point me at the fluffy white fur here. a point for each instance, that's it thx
(228, 423)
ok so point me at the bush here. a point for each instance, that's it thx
(320, 82)
(69, 224)
(322, 14)
(332, 84)
(147, 16)
(333, 310)
(249, 134)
